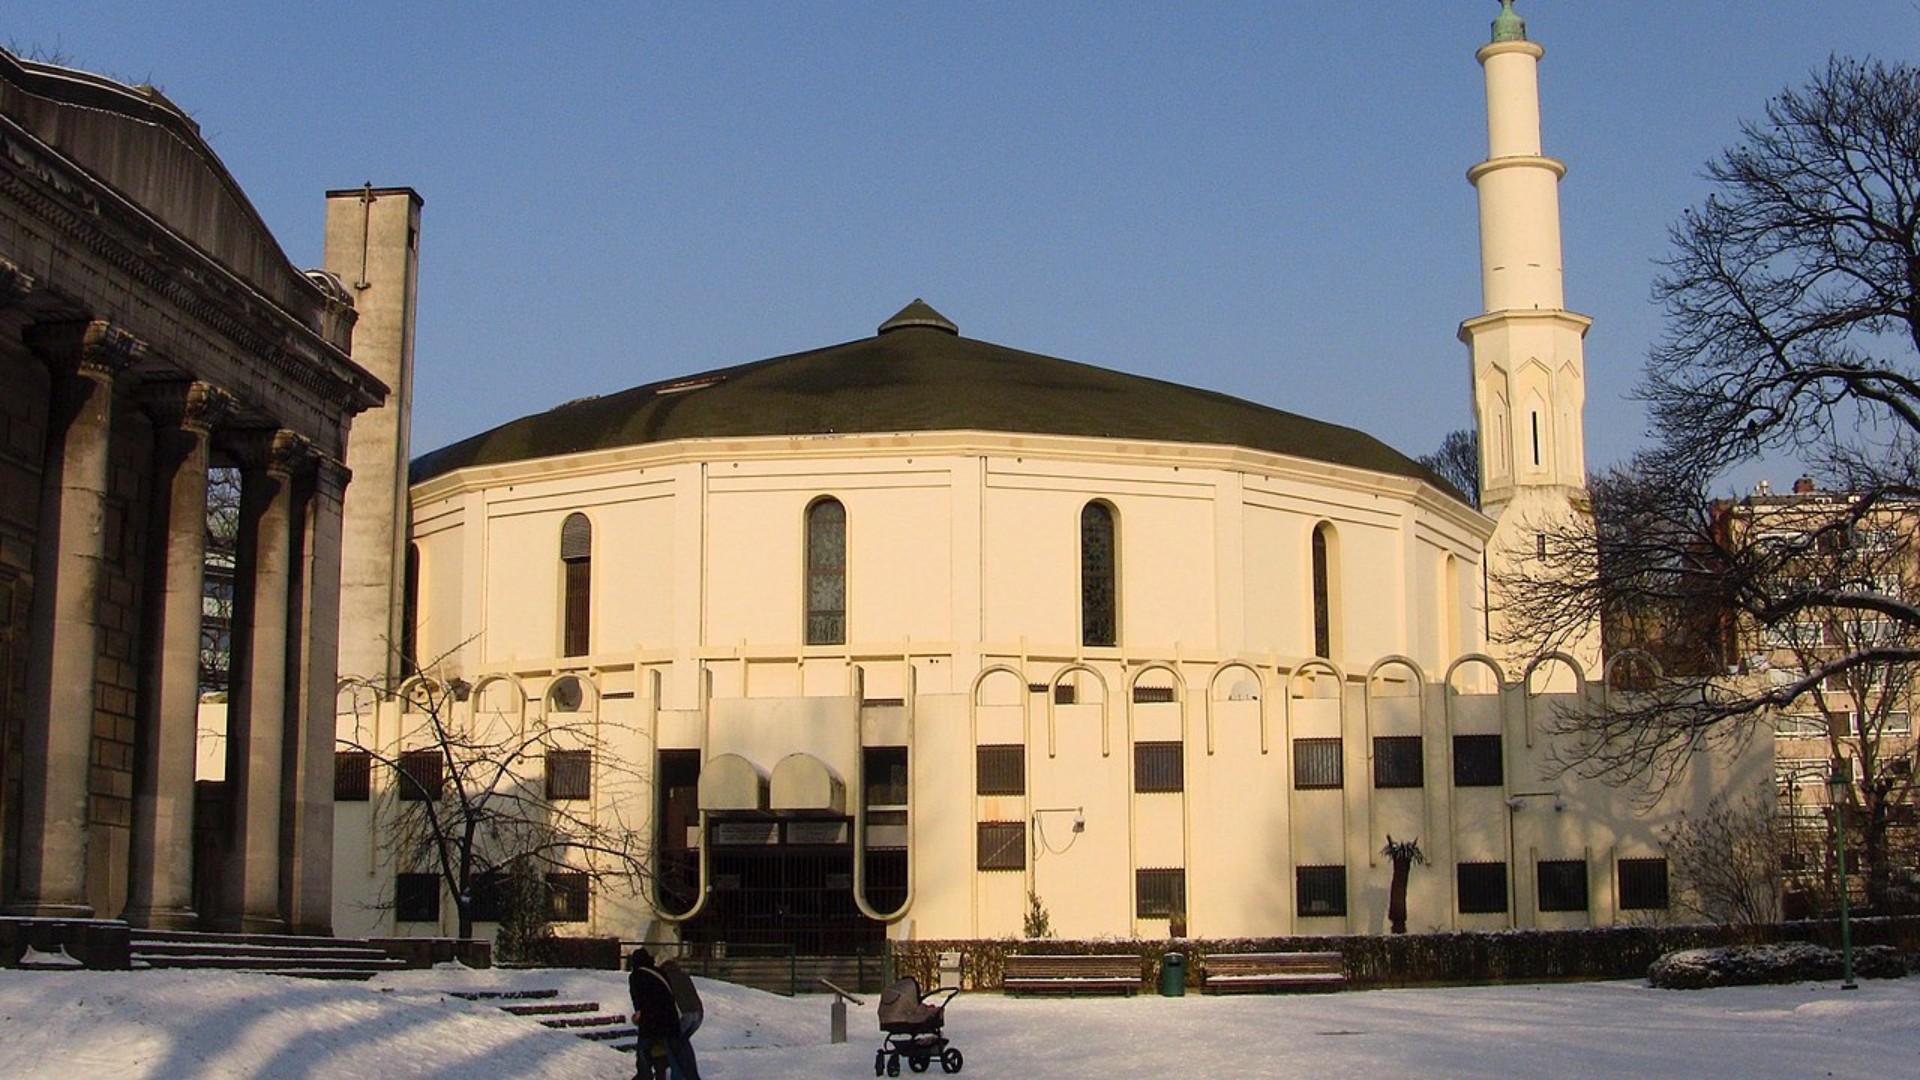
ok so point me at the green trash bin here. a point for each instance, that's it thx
(1173, 975)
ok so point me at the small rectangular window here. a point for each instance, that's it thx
(1476, 761)
(569, 894)
(416, 897)
(1483, 888)
(352, 775)
(1563, 884)
(1643, 884)
(1317, 764)
(1002, 845)
(569, 774)
(1065, 693)
(1159, 893)
(1002, 769)
(1152, 695)
(1320, 890)
(1157, 766)
(422, 777)
(886, 769)
(1398, 761)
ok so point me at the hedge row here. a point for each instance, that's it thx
(1614, 952)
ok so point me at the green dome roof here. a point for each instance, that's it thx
(917, 374)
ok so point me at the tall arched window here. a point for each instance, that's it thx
(1099, 594)
(576, 562)
(826, 573)
(1326, 579)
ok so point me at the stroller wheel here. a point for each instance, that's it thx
(919, 1064)
(879, 1062)
(893, 1064)
(952, 1060)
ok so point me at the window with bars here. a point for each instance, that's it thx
(1398, 761)
(1483, 887)
(1065, 693)
(1158, 766)
(1099, 563)
(1476, 761)
(422, 775)
(569, 774)
(569, 893)
(1001, 769)
(1562, 884)
(576, 562)
(1001, 845)
(490, 890)
(1152, 695)
(1320, 890)
(886, 771)
(416, 897)
(352, 776)
(1317, 763)
(1643, 884)
(1159, 893)
(826, 573)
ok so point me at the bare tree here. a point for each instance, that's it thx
(488, 798)
(1726, 862)
(1793, 298)
(1458, 462)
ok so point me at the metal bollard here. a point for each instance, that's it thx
(837, 1020)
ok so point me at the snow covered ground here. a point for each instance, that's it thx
(163, 1024)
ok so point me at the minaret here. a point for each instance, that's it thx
(1529, 370)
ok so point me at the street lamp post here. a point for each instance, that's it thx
(1838, 784)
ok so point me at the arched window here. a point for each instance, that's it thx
(576, 562)
(1099, 624)
(826, 573)
(1326, 601)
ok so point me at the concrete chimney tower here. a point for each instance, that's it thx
(373, 245)
(1529, 366)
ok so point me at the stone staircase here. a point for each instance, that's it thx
(583, 1018)
(269, 954)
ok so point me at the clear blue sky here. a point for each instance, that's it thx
(1265, 199)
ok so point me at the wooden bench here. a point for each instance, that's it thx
(1246, 973)
(1026, 973)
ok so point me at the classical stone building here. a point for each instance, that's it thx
(151, 328)
(899, 635)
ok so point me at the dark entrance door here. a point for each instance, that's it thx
(786, 884)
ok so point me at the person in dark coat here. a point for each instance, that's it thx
(658, 1019)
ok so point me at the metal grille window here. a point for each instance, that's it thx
(1397, 761)
(352, 776)
(422, 775)
(1320, 890)
(1562, 884)
(569, 774)
(416, 897)
(886, 769)
(1002, 769)
(568, 894)
(1483, 887)
(827, 573)
(576, 561)
(1476, 761)
(1317, 764)
(1098, 565)
(1643, 884)
(1002, 845)
(1159, 893)
(1157, 766)
(1152, 695)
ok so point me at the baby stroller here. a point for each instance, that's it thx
(911, 1027)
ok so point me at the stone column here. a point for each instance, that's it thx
(68, 562)
(257, 711)
(309, 795)
(160, 857)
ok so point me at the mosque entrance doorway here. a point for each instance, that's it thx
(786, 884)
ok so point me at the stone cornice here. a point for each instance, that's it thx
(276, 451)
(98, 221)
(189, 405)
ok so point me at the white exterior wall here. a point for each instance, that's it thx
(963, 554)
